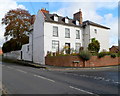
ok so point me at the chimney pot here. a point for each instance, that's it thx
(44, 10)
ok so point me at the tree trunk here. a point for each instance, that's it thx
(84, 63)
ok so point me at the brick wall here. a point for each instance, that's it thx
(1, 52)
(72, 61)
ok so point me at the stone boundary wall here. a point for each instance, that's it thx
(13, 55)
(75, 61)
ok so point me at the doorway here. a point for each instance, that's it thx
(67, 48)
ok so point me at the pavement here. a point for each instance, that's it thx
(19, 79)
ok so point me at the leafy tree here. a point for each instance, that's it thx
(17, 23)
(94, 45)
(85, 56)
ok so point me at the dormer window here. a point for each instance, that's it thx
(66, 20)
(55, 18)
(77, 22)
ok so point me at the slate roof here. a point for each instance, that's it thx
(115, 47)
(49, 18)
(94, 24)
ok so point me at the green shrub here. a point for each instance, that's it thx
(101, 54)
(107, 53)
(85, 55)
(74, 54)
(113, 55)
(94, 45)
(118, 54)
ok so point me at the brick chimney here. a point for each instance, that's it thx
(44, 10)
(78, 16)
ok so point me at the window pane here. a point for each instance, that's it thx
(55, 31)
(67, 33)
(77, 34)
(55, 45)
(55, 18)
(78, 45)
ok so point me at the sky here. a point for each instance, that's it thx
(104, 12)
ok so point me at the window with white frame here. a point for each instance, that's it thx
(55, 45)
(66, 20)
(77, 47)
(55, 31)
(77, 22)
(55, 18)
(67, 33)
(77, 34)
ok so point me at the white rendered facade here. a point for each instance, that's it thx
(48, 37)
(100, 34)
(43, 37)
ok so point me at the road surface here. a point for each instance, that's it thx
(19, 79)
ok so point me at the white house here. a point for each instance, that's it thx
(51, 33)
(94, 30)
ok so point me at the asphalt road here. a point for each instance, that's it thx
(19, 79)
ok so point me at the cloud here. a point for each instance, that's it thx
(112, 21)
(5, 6)
(89, 10)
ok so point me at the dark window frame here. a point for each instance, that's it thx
(55, 31)
(78, 34)
(55, 45)
(66, 36)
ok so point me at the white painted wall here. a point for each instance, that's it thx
(86, 36)
(26, 54)
(13, 55)
(102, 36)
(38, 39)
(48, 36)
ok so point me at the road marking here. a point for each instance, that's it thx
(9, 67)
(100, 78)
(95, 77)
(44, 78)
(21, 71)
(117, 82)
(75, 74)
(82, 90)
(107, 80)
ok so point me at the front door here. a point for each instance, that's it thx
(67, 46)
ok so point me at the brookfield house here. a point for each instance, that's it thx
(51, 33)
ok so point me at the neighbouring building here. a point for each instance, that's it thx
(51, 33)
(1, 52)
(114, 49)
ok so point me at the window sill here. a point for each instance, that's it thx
(55, 36)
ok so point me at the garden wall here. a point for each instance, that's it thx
(75, 61)
(12, 55)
